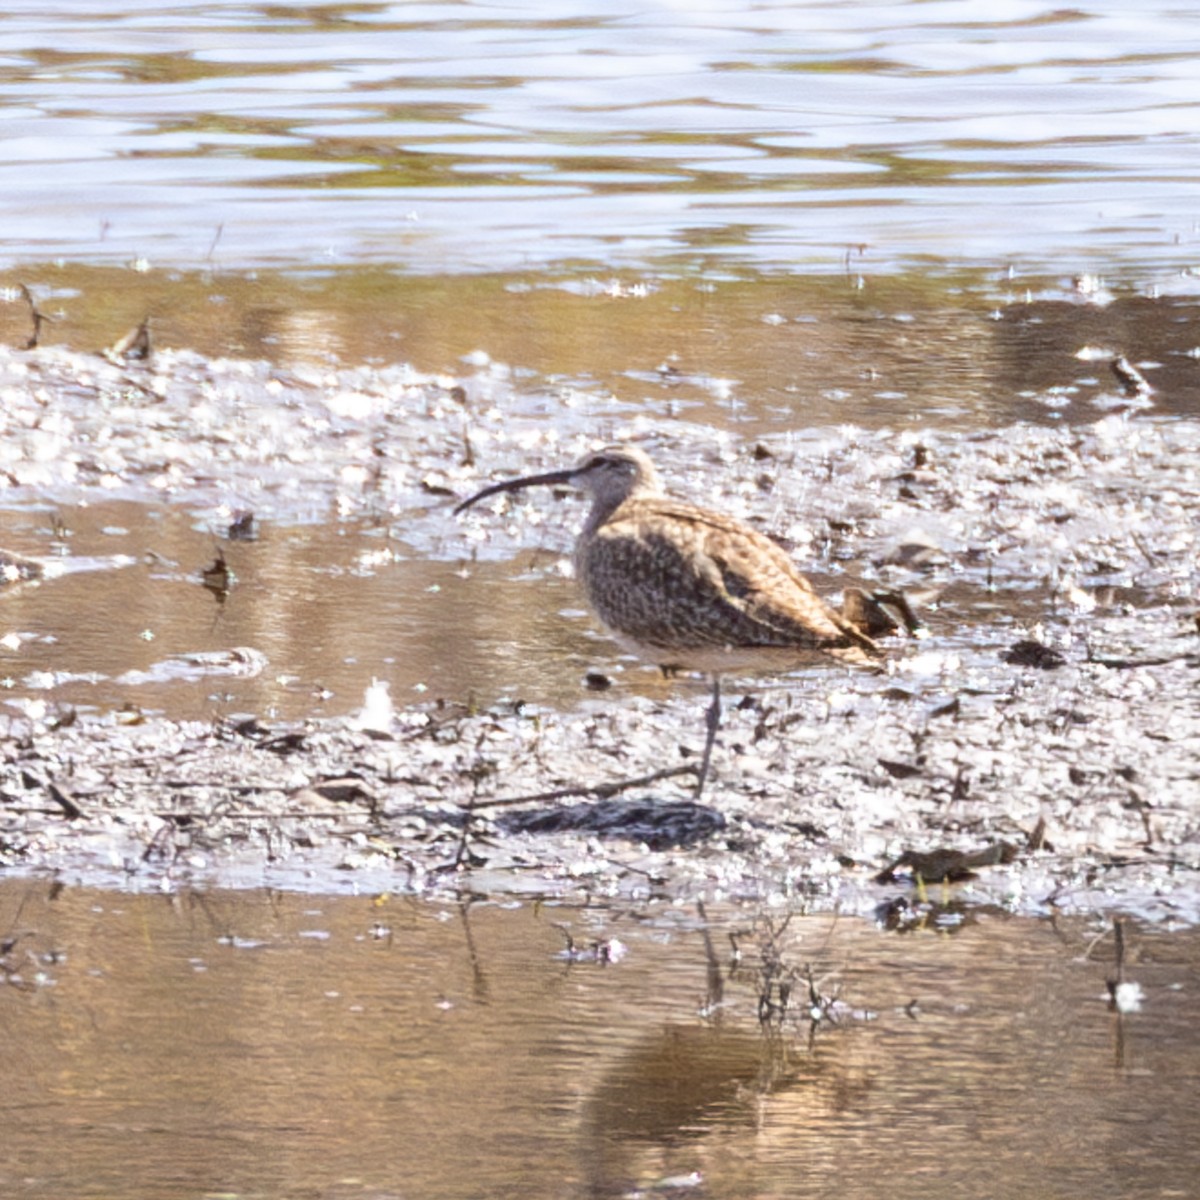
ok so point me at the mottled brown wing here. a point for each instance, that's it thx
(674, 577)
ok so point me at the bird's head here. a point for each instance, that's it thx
(610, 476)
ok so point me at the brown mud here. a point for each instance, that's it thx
(1039, 751)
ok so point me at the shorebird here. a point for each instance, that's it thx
(689, 588)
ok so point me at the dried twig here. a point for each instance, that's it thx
(36, 315)
(600, 790)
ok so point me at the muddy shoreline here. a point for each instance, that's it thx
(821, 786)
(1046, 737)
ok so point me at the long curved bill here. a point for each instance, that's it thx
(514, 485)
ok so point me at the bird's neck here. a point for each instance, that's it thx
(604, 506)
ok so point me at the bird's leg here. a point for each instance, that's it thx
(712, 722)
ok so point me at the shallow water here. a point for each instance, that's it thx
(320, 611)
(260, 1044)
(470, 136)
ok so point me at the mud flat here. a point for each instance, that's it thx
(1039, 750)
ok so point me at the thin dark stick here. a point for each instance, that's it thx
(602, 790)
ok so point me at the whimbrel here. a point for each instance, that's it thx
(688, 588)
